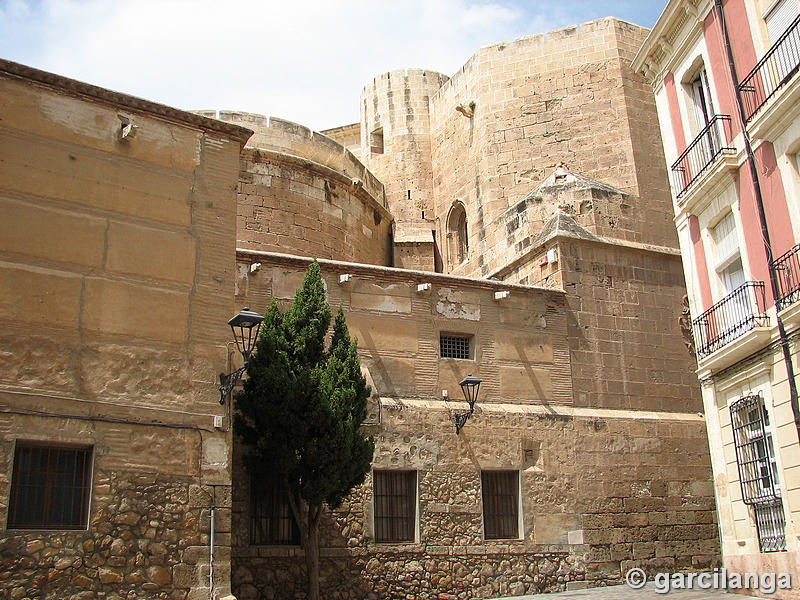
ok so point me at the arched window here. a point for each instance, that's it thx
(458, 244)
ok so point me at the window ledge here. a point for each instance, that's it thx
(719, 174)
(791, 314)
(743, 346)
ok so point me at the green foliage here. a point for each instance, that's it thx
(301, 408)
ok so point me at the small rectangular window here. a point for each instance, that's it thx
(395, 510)
(455, 346)
(50, 487)
(376, 141)
(271, 518)
(500, 504)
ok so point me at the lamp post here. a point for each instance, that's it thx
(470, 386)
(245, 327)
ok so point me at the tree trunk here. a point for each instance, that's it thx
(311, 548)
(307, 518)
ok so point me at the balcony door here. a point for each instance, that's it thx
(704, 114)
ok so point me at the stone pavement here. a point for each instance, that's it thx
(623, 592)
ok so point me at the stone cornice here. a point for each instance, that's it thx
(119, 100)
(278, 258)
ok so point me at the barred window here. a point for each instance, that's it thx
(758, 474)
(771, 526)
(455, 346)
(754, 452)
(271, 518)
(50, 486)
(395, 498)
(500, 504)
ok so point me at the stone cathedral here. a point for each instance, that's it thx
(511, 222)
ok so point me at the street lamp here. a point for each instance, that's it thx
(245, 327)
(470, 386)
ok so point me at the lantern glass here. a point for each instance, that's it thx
(471, 386)
(245, 327)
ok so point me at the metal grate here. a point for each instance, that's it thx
(454, 346)
(771, 526)
(702, 152)
(778, 66)
(730, 318)
(395, 505)
(787, 271)
(500, 504)
(50, 487)
(754, 452)
(271, 518)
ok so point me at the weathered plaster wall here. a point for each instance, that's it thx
(116, 272)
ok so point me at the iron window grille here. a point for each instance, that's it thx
(50, 486)
(395, 505)
(500, 491)
(271, 519)
(758, 474)
(771, 526)
(455, 346)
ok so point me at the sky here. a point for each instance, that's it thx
(301, 60)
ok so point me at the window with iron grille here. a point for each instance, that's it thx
(395, 510)
(50, 486)
(771, 526)
(758, 474)
(754, 452)
(455, 346)
(500, 504)
(271, 518)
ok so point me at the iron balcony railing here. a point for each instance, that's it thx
(787, 272)
(702, 152)
(777, 67)
(733, 316)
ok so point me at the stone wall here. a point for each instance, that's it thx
(397, 104)
(601, 493)
(116, 270)
(519, 344)
(287, 204)
(605, 485)
(564, 97)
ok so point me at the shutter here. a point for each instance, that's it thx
(778, 18)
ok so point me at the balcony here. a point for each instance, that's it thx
(702, 153)
(787, 272)
(737, 313)
(772, 72)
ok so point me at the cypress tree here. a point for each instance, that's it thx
(301, 409)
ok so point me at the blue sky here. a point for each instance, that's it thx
(302, 60)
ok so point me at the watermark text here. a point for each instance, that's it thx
(718, 579)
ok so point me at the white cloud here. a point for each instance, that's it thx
(302, 60)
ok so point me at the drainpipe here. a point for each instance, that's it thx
(211, 557)
(773, 278)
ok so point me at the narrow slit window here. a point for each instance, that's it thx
(376, 141)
